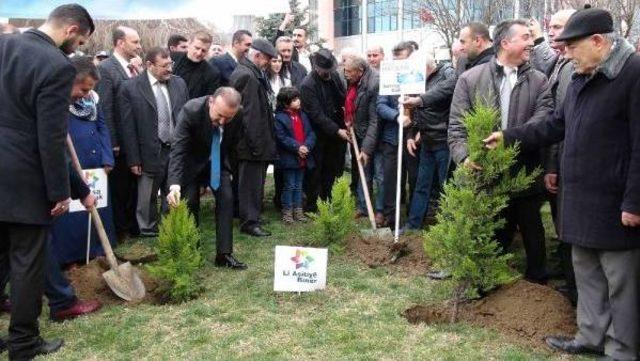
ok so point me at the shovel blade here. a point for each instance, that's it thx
(125, 282)
(381, 233)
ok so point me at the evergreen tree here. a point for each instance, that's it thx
(463, 240)
(180, 255)
(334, 221)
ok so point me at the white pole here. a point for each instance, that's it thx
(396, 234)
(88, 238)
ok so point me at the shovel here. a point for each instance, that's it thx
(124, 280)
(381, 233)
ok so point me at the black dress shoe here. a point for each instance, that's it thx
(570, 345)
(227, 260)
(255, 231)
(48, 347)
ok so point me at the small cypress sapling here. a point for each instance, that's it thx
(335, 219)
(463, 239)
(180, 255)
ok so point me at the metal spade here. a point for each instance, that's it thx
(124, 280)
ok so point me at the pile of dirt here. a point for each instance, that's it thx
(375, 252)
(523, 311)
(89, 284)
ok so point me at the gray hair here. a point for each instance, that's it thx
(611, 37)
(504, 31)
(356, 62)
(284, 39)
(230, 96)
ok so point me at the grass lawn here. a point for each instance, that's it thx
(239, 317)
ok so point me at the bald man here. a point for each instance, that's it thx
(559, 77)
(113, 71)
(375, 55)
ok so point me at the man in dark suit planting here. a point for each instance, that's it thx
(204, 133)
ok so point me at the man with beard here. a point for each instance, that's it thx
(34, 187)
(227, 63)
(520, 93)
(256, 145)
(201, 77)
(475, 46)
(323, 95)
(177, 44)
(113, 71)
(300, 52)
(151, 103)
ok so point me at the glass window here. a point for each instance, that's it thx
(346, 17)
(382, 15)
(411, 14)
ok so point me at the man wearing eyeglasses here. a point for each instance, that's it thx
(151, 103)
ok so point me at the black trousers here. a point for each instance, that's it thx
(563, 251)
(123, 187)
(24, 247)
(409, 175)
(251, 176)
(523, 213)
(224, 210)
(390, 168)
(329, 155)
(278, 181)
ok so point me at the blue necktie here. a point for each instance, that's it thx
(215, 160)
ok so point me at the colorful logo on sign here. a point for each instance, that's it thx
(302, 259)
(92, 179)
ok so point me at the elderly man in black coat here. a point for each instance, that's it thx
(34, 187)
(151, 103)
(256, 145)
(322, 94)
(600, 186)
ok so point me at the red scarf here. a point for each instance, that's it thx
(298, 131)
(350, 104)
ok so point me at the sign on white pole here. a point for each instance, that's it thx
(98, 183)
(300, 269)
(407, 76)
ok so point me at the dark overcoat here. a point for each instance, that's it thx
(600, 124)
(137, 104)
(35, 92)
(257, 140)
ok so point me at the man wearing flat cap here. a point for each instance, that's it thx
(322, 93)
(600, 187)
(256, 146)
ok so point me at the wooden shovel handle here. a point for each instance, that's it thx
(95, 216)
(363, 180)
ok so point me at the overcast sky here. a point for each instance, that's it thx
(220, 12)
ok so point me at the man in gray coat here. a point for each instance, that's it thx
(600, 125)
(520, 92)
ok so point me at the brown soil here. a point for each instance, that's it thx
(375, 252)
(89, 284)
(524, 312)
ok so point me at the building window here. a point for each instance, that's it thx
(346, 17)
(412, 10)
(382, 15)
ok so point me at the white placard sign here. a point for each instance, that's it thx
(300, 269)
(98, 183)
(400, 77)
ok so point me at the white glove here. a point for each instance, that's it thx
(174, 195)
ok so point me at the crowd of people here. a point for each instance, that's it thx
(189, 118)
